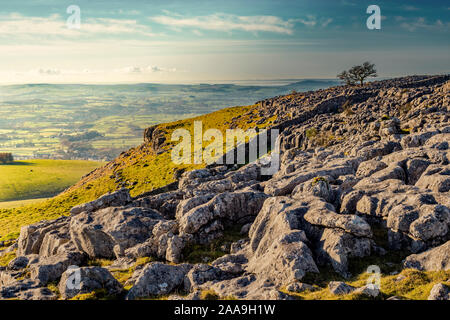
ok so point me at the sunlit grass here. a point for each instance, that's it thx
(23, 180)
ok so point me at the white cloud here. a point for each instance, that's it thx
(327, 22)
(45, 71)
(348, 3)
(422, 24)
(50, 72)
(55, 25)
(228, 23)
(311, 21)
(410, 8)
(143, 70)
(129, 12)
(115, 26)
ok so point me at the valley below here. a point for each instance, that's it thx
(357, 209)
(98, 122)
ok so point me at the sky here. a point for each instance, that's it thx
(194, 41)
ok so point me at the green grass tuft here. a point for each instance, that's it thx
(6, 258)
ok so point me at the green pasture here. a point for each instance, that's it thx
(33, 179)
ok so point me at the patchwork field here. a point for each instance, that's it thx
(98, 122)
(34, 179)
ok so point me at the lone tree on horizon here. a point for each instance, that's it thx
(358, 73)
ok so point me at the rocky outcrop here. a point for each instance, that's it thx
(362, 170)
(339, 288)
(157, 279)
(229, 208)
(77, 281)
(439, 292)
(32, 236)
(51, 268)
(435, 259)
(155, 137)
(111, 230)
(115, 199)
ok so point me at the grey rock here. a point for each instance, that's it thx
(415, 168)
(336, 247)
(9, 277)
(186, 205)
(417, 139)
(11, 290)
(439, 141)
(433, 222)
(239, 206)
(435, 259)
(175, 246)
(115, 199)
(202, 273)
(368, 290)
(165, 203)
(278, 248)
(149, 248)
(36, 294)
(318, 187)
(439, 292)
(31, 236)
(97, 233)
(245, 229)
(238, 246)
(435, 178)
(76, 281)
(54, 241)
(158, 279)
(323, 214)
(395, 298)
(51, 268)
(286, 184)
(401, 217)
(18, 263)
(340, 288)
(247, 287)
(299, 287)
(231, 263)
(367, 168)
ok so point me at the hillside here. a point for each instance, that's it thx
(361, 192)
(140, 170)
(31, 179)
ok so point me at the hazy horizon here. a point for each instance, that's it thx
(237, 82)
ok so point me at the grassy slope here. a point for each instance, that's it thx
(32, 179)
(20, 203)
(140, 167)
